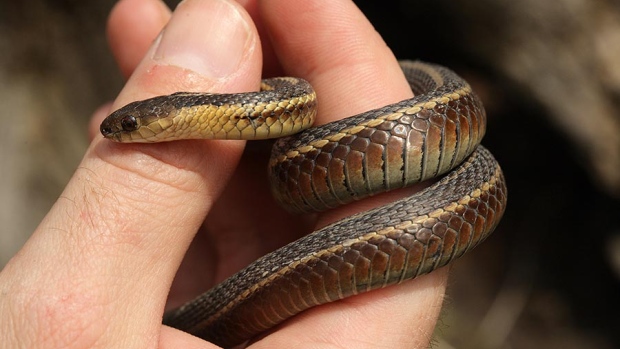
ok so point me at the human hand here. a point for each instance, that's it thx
(97, 271)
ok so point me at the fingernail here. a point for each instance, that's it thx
(209, 37)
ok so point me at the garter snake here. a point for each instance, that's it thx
(435, 133)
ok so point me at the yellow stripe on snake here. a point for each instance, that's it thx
(435, 133)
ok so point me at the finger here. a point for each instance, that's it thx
(132, 27)
(271, 66)
(330, 43)
(171, 338)
(98, 268)
(339, 51)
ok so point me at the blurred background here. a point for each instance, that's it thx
(549, 74)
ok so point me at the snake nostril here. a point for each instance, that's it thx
(106, 131)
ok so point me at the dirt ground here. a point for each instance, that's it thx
(547, 278)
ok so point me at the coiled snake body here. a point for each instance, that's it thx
(435, 132)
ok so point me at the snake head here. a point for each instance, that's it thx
(139, 121)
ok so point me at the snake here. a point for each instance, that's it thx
(435, 134)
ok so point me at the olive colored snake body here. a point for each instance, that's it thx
(436, 132)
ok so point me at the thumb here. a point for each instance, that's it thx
(97, 270)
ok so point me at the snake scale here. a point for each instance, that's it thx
(436, 133)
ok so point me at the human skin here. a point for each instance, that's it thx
(98, 271)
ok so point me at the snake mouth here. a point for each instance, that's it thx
(111, 129)
(109, 133)
(106, 131)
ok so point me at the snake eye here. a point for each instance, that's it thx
(129, 123)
